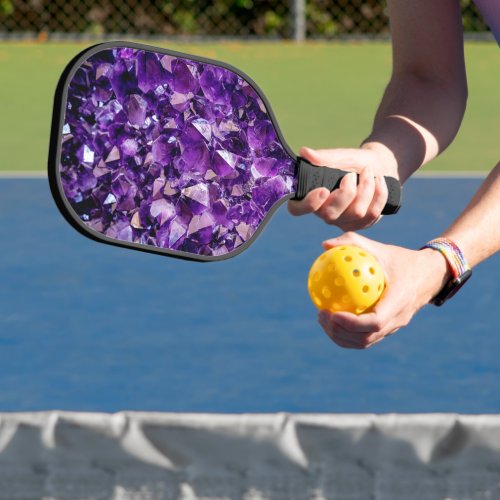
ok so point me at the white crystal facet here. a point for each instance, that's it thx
(88, 155)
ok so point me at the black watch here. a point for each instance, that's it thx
(451, 288)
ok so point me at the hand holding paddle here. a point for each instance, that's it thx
(359, 200)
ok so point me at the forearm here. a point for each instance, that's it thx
(416, 120)
(477, 230)
(424, 102)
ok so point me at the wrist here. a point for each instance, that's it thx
(437, 272)
(386, 156)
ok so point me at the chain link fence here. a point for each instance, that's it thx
(286, 19)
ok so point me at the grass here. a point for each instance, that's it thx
(323, 94)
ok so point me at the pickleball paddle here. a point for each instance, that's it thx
(172, 153)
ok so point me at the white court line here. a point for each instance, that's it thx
(23, 175)
(454, 174)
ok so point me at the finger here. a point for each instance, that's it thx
(348, 238)
(311, 203)
(338, 157)
(362, 324)
(338, 201)
(361, 340)
(344, 344)
(384, 319)
(338, 334)
(339, 339)
(372, 343)
(351, 341)
(345, 338)
(365, 191)
(380, 196)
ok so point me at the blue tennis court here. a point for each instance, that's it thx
(90, 327)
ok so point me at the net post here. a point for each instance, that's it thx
(299, 20)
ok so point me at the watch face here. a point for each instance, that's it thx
(451, 288)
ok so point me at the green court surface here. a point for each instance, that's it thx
(323, 94)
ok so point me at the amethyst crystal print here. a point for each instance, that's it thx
(169, 152)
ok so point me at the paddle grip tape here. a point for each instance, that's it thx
(311, 177)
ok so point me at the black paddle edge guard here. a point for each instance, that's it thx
(312, 177)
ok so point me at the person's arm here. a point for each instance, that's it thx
(424, 103)
(414, 277)
(477, 230)
(419, 114)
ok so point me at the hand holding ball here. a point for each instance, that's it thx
(346, 278)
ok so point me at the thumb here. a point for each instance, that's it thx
(352, 159)
(349, 238)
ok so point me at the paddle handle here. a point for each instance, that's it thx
(312, 177)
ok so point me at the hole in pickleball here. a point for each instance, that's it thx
(348, 258)
(317, 300)
(346, 299)
(379, 288)
(359, 310)
(356, 273)
(330, 268)
(327, 293)
(366, 289)
(362, 254)
(317, 276)
(339, 281)
(372, 270)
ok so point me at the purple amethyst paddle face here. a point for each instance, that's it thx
(169, 152)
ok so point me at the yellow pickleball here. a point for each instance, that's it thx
(346, 278)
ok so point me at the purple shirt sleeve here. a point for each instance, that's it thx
(490, 9)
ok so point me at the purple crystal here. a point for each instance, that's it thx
(136, 107)
(183, 80)
(123, 82)
(201, 228)
(268, 192)
(261, 134)
(150, 72)
(121, 230)
(224, 163)
(180, 102)
(197, 198)
(129, 147)
(266, 167)
(163, 149)
(126, 53)
(170, 152)
(162, 210)
(217, 84)
(195, 156)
